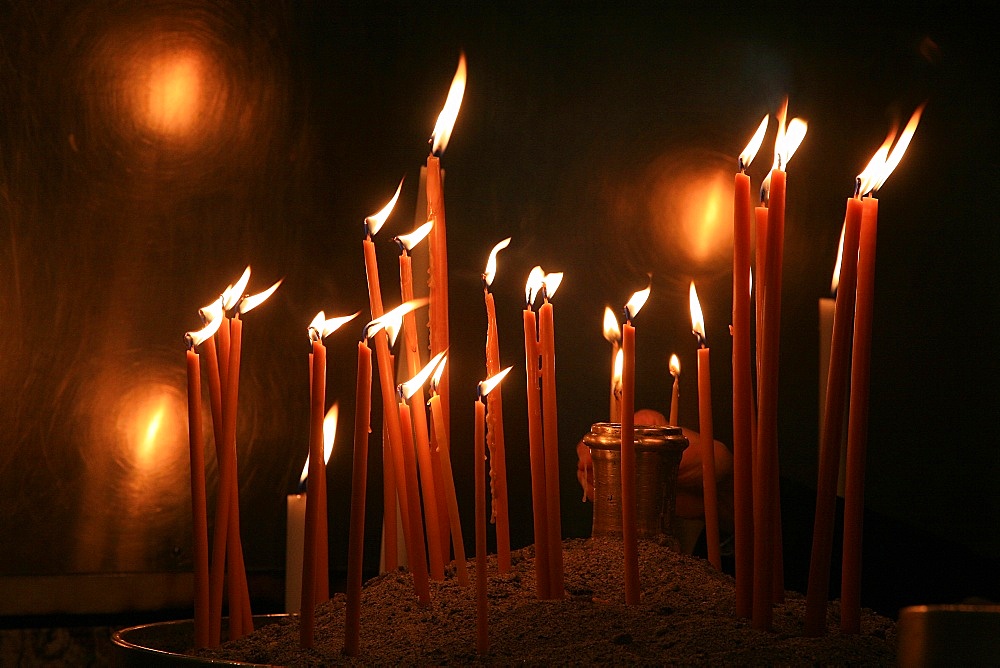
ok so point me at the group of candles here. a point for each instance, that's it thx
(416, 449)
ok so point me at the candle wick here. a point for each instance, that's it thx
(189, 341)
(399, 392)
(486, 285)
(857, 186)
(743, 167)
(628, 316)
(764, 194)
(314, 335)
(399, 242)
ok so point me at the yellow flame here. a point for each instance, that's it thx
(392, 320)
(534, 284)
(552, 283)
(409, 241)
(411, 386)
(616, 375)
(779, 137)
(449, 113)
(612, 332)
(487, 386)
(375, 221)
(329, 436)
(231, 295)
(491, 263)
(750, 152)
(324, 327)
(675, 366)
(835, 283)
(793, 138)
(438, 373)
(900, 148)
(213, 314)
(697, 318)
(253, 301)
(636, 302)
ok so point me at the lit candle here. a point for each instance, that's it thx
(359, 484)
(373, 224)
(831, 431)
(707, 433)
(857, 427)
(675, 392)
(443, 461)
(628, 476)
(827, 308)
(439, 239)
(767, 544)
(535, 443)
(550, 432)
(742, 385)
(613, 335)
(199, 504)
(494, 433)
(482, 609)
(437, 526)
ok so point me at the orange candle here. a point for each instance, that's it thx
(550, 434)
(482, 631)
(438, 282)
(236, 572)
(359, 483)
(833, 420)
(613, 335)
(675, 392)
(742, 384)
(628, 475)
(443, 460)
(707, 434)
(315, 497)
(535, 442)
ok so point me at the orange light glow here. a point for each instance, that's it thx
(449, 114)
(174, 92)
(374, 222)
(491, 263)
(488, 385)
(697, 318)
(411, 386)
(636, 302)
(675, 366)
(612, 332)
(409, 241)
(247, 304)
(750, 152)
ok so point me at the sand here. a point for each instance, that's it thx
(686, 617)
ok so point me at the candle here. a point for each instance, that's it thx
(437, 526)
(438, 282)
(833, 421)
(443, 461)
(535, 443)
(675, 392)
(613, 335)
(494, 434)
(199, 511)
(827, 308)
(767, 545)
(742, 384)
(550, 432)
(628, 475)
(707, 433)
(316, 496)
(359, 482)
(857, 427)
(373, 224)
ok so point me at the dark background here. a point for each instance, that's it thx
(601, 139)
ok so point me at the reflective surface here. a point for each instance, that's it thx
(150, 151)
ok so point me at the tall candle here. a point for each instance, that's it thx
(613, 335)
(550, 437)
(742, 384)
(359, 482)
(444, 461)
(313, 533)
(536, 450)
(495, 442)
(832, 427)
(482, 631)
(707, 434)
(438, 282)
(236, 579)
(628, 474)
(675, 391)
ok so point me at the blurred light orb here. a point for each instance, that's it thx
(171, 99)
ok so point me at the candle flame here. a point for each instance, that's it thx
(392, 320)
(616, 374)
(321, 327)
(449, 113)
(697, 318)
(232, 294)
(883, 163)
(212, 317)
(438, 373)
(787, 140)
(779, 137)
(534, 284)
(253, 301)
(675, 366)
(551, 283)
(491, 263)
(487, 386)
(329, 436)
(374, 222)
(870, 174)
(411, 386)
(750, 152)
(835, 283)
(612, 333)
(408, 241)
(636, 302)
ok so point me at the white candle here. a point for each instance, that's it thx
(294, 539)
